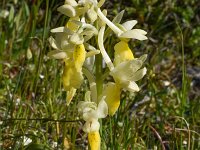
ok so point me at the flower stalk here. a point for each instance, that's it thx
(75, 45)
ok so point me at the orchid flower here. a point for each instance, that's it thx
(72, 9)
(66, 39)
(125, 30)
(72, 75)
(127, 72)
(91, 113)
(69, 45)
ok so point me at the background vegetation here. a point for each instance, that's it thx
(165, 114)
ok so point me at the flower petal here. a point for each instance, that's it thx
(71, 76)
(70, 95)
(102, 109)
(85, 106)
(139, 74)
(125, 70)
(131, 86)
(112, 93)
(67, 10)
(94, 140)
(62, 29)
(57, 54)
(71, 2)
(53, 43)
(122, 53)
(135, 34)
(76, 39)
(79, 56)
(91, 15)
(128, 25)
(91, 126)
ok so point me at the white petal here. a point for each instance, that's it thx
(91, 126)
(57, 54)
(53, 43)
(77, 22)
(89, 47)
(67, 46)
(61, 29)
(92, 53)
(76, 39)
(102, 109)
(139, 74)
(84, 106)
(92, 114)
(71, 2)
(67, 10)
(89, 27)
(128, 25)
(132, 87)
(135, 34)
(125, 70)
(91, 15)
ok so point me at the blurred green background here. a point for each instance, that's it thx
(165, 114)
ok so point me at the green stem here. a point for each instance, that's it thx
(92, 83)
(98, 74)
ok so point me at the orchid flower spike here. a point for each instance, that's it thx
(69, 45)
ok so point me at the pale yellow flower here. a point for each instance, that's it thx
(72, 9)
(126, 73)
(91, 112)
(72, 75)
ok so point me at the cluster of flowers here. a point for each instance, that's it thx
(72, 44)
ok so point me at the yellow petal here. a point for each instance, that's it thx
(79, 56)
(72, 25)
(122, 52)
(94, 140)
(71, 77)
(112, 92)
(70, 95)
